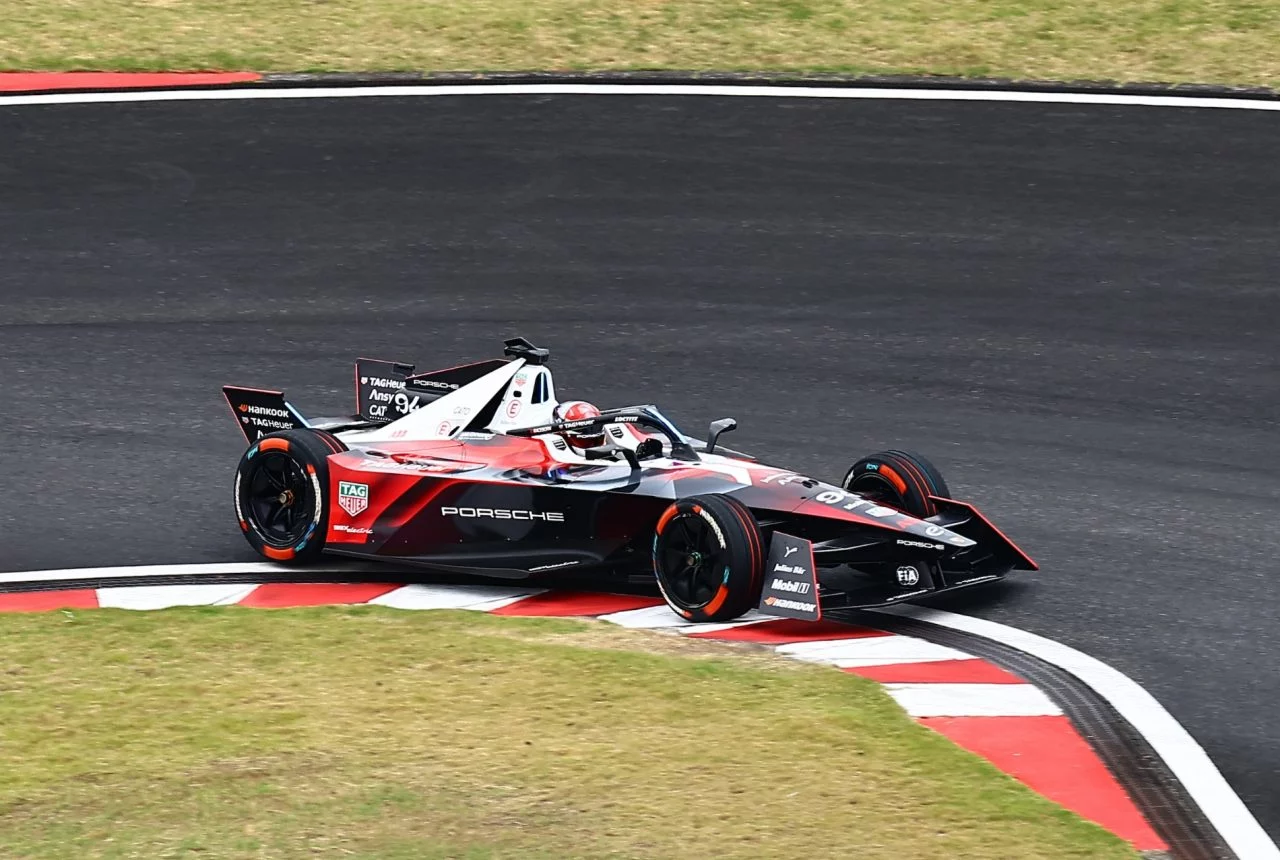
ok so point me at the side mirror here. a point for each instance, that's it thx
(607, 452)
(723, 425)
(648, 449)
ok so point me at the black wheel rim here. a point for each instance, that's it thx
(278, 498)
(691, 560)
(877, 488)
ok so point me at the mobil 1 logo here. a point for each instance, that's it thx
(790, 579)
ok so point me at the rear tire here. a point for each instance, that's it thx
(899, 479)
(281, 494)
(708, 557)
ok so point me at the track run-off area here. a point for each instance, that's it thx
(1064, 300)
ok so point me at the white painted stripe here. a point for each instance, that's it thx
(252, 568)
(729, 625)
(973, 700)
(884, 650)
(254, 92)
(164, 596)
(1189, 762)
(480, 597)
(648, 618)
(655, 617)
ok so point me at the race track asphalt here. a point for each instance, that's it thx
(1071, 309)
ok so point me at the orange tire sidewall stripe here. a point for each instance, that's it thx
(894, 477)
(277, 554)
(666, 517)
(717, 601)
(275, 444)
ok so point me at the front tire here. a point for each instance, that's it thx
(281, 494)
(708, 557)
(899, 479)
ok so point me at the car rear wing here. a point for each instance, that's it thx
(385, 392)
(389, 390)
(259, 411)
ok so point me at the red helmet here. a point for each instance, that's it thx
(577, 410)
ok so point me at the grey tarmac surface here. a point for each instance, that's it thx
(1071, 310)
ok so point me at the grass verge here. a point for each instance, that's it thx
(370, 732)
(1205, 41)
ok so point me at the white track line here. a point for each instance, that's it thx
(1189, 762)
(253, 92)
(250, 568)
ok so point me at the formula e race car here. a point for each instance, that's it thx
(479, 469)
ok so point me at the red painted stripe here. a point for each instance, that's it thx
(29, 81)
(1049, 756)
(939, 672)
(566, 603)
(791, 630)
(281, 595)
(44, 601)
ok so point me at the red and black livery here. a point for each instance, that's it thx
(464, 471)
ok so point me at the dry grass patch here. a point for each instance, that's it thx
(1208, 41)
(377, 733)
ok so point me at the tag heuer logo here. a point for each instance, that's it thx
(353, 498)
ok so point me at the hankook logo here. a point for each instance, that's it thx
(502, 514)
(783, 603)
(265, 410)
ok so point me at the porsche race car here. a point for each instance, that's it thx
(480, 469)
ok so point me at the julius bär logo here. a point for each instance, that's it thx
(353, 498)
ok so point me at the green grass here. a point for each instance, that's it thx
(1206, 41)
(375, 733)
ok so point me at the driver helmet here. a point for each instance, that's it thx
(577, 410)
